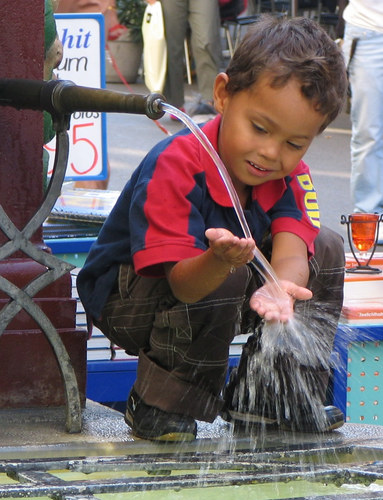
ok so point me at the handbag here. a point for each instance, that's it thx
(155, 53)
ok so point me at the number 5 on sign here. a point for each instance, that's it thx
(87, 144)
(82, 36)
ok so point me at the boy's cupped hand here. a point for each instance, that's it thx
(229, 248)
(275, 301)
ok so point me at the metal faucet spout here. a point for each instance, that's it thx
(64, 97)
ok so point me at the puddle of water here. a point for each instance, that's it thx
(4, 479)
(274, 491)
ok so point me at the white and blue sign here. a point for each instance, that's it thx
(83, 39)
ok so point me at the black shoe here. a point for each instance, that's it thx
(331, 418)
(148, 422)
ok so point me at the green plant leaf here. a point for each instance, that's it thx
(130, 14)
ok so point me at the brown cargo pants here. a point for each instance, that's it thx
(183, 348)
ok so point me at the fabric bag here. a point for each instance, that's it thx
(155, 54)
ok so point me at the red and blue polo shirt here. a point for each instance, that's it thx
(173, 196)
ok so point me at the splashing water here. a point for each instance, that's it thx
(284, 371)
(285, 363)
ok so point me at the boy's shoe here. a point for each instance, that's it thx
(333, 418)
(148, 422)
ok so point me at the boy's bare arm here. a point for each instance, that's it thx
(289, 258)
(194, 278)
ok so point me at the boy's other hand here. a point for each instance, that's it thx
(229, 248)
(274, 303)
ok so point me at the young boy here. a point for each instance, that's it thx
(167, 278)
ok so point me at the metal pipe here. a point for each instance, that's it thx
(64, 97)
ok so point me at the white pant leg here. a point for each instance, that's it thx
(366, 80)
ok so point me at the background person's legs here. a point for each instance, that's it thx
(366, 79)
(204, 20)
(176, 21)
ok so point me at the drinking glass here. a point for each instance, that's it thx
(363, 231)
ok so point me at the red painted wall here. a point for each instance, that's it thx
(21, 56)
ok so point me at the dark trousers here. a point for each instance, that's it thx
(183, 348)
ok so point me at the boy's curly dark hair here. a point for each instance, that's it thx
(292, 48)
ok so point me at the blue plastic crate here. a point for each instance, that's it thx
(357, 380)
(109, 382)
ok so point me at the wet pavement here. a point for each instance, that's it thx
(40, 433)
(42, 461)
(38, 458)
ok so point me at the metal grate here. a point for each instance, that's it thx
(87, 477)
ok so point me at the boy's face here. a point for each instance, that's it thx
(264, 131)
